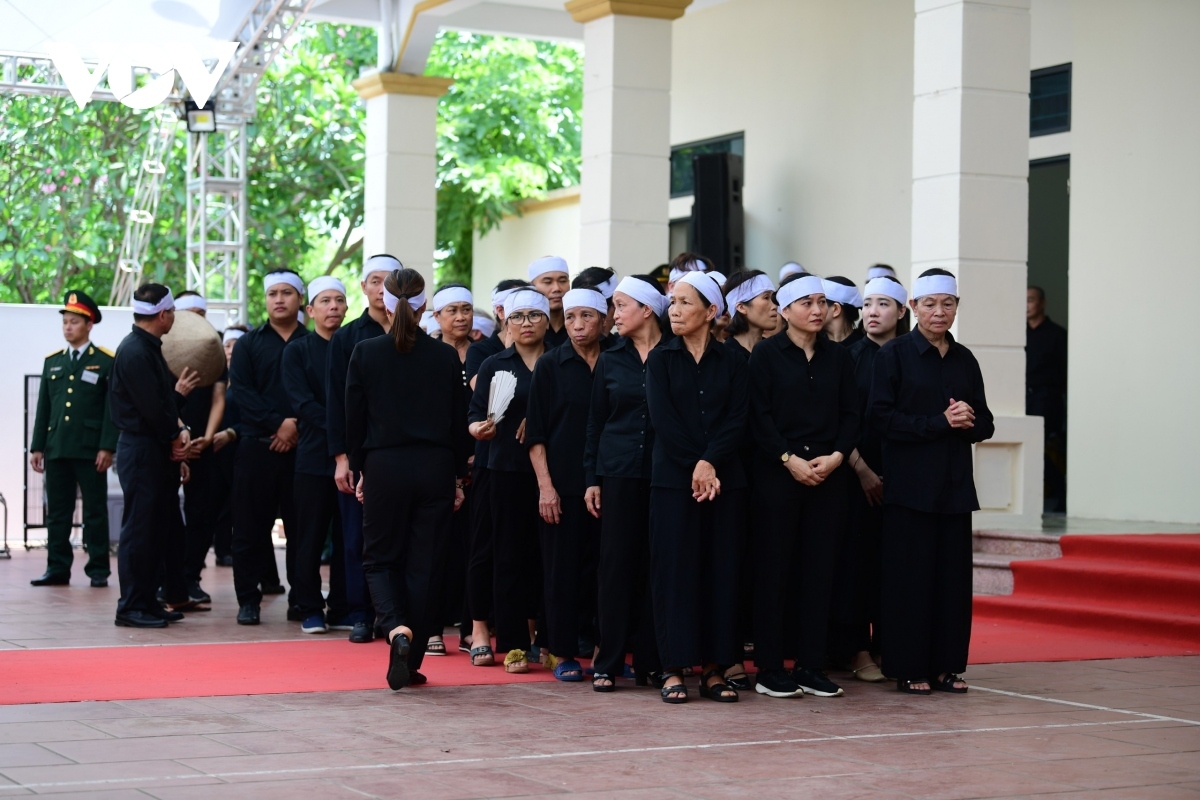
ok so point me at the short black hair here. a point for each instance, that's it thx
(188, 292)
(452, 286)
(592, 277)
(936, 271)
(149, 293)
(511, 283)
(1041, 293)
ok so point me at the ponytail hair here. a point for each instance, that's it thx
(404, 283)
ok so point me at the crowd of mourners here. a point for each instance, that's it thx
(665, 475)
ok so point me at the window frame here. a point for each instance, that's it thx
(1046, 72)
(729, 137)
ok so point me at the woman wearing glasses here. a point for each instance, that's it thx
(514, 488)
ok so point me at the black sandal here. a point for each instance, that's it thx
(907, 686)
(720, 691)
(654, 679)
(600, 676)
(675, 694)
(740, 681)
(947, 685)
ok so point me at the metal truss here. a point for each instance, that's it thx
(216, 217)
(262, 35)
(30, 73)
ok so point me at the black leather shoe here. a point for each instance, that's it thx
(99, 583)
(248, 615)
(295, 614)
(397, 673)
(139, 619)
(362, 633)
(51, 580)
(198, 595)
(276, 588)
(167, 615)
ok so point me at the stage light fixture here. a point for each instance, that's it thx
(200, 119)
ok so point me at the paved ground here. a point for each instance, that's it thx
(1110, 729)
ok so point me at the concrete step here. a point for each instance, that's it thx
(996, 550)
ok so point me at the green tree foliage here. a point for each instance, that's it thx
(508, 129)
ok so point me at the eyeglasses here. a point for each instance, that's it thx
(533, 317)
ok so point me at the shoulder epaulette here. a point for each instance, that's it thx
(106, 351)
(56, 353)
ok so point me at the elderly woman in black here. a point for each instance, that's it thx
(555, 430)
(517, 575)
(804, 414)
(696, 393)
(928, 405)
(616, 464)
(405, 410)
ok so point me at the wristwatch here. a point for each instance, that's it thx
(784, 458)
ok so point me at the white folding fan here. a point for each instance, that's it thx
(503, 388)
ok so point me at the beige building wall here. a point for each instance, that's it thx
(1135, 261)
(546, 227)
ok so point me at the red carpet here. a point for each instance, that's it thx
(208, 670)
(1107, 597)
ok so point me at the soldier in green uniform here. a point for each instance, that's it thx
(73, 444)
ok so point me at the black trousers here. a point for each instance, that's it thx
(517, 576)
(150, 485)
(854, 619)
(262, 491)
(693, 577)
(317, 516)
(358, 597)
(624, 610)
(569, 575)
(63, 475)
(453, 609)
(224, 462)
(408, 505)
(795, 544)
(479, 564)
(927, 576)
(173, 575)
(200, 512)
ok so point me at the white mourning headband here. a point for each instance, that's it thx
(607, 287)
(291, 279)
(525, 299)
(644, 293)
(545, 265)
(151, 309)
(428, 323)
(934, 284)
(191, 301)
(801, 287)
(324, 284)
(790, 268)
(746, 291)
(380, 263)
(708, 288)
(484, 325)
(390, 301)
(451, 295)
(841, 293)
(585, 298)
(887, 288)
(231, 334)
(880, 271)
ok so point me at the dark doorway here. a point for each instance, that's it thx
(1049, 228)
(1046, 359)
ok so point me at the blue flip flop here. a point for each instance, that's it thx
(570, 665)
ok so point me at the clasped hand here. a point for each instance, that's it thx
(960, 415)
(705, 483)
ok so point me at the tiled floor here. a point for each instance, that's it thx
(1108, 729)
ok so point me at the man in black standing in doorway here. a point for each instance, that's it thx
(1046, 391)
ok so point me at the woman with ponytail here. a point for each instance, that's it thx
(405, 431)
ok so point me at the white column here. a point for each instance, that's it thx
(626, 132)
(400, 195)
(970, 208)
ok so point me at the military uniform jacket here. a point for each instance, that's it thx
(72, 418)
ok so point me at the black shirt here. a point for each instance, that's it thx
(560, 393)
(477, 353)
(255, 368)
(928, 464)
(556, 338)
(340, 348)
(1046, 356)
(412, 399)
(199, 404)
(505, 454)
(870, 448)
(698, 412)
(854, 338)
(142, 400)
(620, 439)
(304, 371)
(809, 408)
(735, 347)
